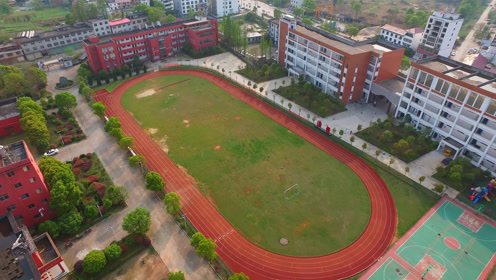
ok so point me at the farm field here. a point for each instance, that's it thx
(242, 162)
(45, 19)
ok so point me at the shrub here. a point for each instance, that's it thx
(439, 188)
(138, 239)
(78, 162)
(107, 203)
(53, 146)
(86, 165)
(92, 178)
(78, 266)
(124, 247)
(69, 125)
(76, 171)
(113, 251)
(128, 241)
(91, 212)
(94, 261)
(89, 155)
(147, 242)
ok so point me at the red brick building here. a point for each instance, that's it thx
(150, 42)
(340, 67)
(22, 187)
(10, 122)
(11, 53)
(25, 257)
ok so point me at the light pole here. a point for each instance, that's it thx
(113, 231)
(98, 206)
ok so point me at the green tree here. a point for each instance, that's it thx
(309, 6)
(298, 12)
(115, 194)
(90, 211)
(364, 146)
(307, 21)
(112, 252)
(356, 7)
(135, 160)
(65, 100)
(170, 18)
(176, 276)
(173, 203)
(14, 84)
(70, 222)
(391, 161)
(103, 75)
(455, 176)
(142, 9)
(421, 179)
(126, 142)
(405, 63)
(352, 139)
(107, 203)
(154, 182)
(51, 227)
(94, 261)
(35, 78)
(407, 169)
(206, 249)
(117, 133)
(239, 276)
(353, 31)
(99, 109)
(137, 221)
(196, 239)
(377, 153)
(113, 122)
(277, 13)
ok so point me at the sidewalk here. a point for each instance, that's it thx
(347, 121)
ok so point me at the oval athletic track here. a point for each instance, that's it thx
(237, 252)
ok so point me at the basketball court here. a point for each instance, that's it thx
(449, 242)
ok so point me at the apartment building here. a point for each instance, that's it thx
(150, 42)
(296, 3)
(408, 38)
(100, 26)
(10, 121)
(25, 257)
(339, 67)
(23, 190)
(169, 4)
(184, 6)
(222, 8)
(121, 25)
(112, 6)
(458, 102)
(440, 35)
(274, 30)
(11, 53)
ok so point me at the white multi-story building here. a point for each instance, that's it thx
(339, 67)
(408, 38)
(100, 26)
(274, 30)
(458, 102)
(169, 4)
(112, 6)
(222, 8)
(184, 6)
(296, 3)
(440, 35)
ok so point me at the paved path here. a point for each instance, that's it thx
(168, 239)
(236, 251)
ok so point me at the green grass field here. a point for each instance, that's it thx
(243, 162)
(45, 19)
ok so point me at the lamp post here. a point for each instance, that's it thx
(98, 206)
(113, 231)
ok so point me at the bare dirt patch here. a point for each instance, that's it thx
(237, 118)
(217, 147)
(301, 228)
(248, 191)
(152, 130)
(186, 123)
(146, 93)
(212, 200)
(162, 143)
(134, 269)
(281, 178)
(190, 178)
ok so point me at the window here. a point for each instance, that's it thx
(24, 196)
(44, 200)
(38, 190)
(4, 197)
(11, 207)
(18, 185)
(31, 206)
(10, 174)
(37, 216)
(32, 180)
(25, 168)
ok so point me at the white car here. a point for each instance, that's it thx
(453, 54)
(51, 152)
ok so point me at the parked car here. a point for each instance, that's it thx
(446, 161)
(453, 53)
(51, 152)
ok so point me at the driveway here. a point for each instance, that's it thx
(170, 242)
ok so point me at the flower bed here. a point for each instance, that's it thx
(67, 127)
(264, 72)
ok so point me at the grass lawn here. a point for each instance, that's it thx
(112, 85)
(243, 162)
(45, 19)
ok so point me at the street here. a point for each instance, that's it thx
(470, 42)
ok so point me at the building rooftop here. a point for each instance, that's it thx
(8, 108)
(394, 29)
(463, 72)
(119, 21)
(451, 15)
(52, 33)
(415, 30)
(202, 27)
(16, 247)
(12, 153)
(345, 45)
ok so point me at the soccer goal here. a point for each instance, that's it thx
(292, 191)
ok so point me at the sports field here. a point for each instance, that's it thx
(242, 162)
(450, 242)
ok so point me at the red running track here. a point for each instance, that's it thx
(235, 250)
